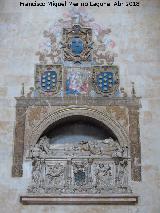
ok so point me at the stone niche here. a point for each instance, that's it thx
(81, 153)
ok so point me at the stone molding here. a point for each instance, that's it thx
(90, 101)
(80, 200)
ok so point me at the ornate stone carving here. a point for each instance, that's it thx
(77, 44)
(106, 80)
(54, 116)
(48, 79)
(41, 149)
(87, 171)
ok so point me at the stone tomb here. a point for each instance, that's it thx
(79, 130)
(86, 164)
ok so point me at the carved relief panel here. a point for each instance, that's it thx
(94, 167)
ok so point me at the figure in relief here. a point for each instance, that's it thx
(37, 173)
(54, 174)
(123, 173)
(41, 149)
(103, 175)
(120, 152)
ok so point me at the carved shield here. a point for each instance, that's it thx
(77, 44)
(106, 80)
(48, 79)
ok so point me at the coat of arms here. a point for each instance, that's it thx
(77, 44)
(106, 79)
(48, 79)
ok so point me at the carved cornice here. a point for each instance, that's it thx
(81, 100)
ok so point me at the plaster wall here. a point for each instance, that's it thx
(136, 32)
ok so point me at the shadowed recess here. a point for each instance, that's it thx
(77, 128)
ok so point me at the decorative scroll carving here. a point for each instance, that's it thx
(87, 171)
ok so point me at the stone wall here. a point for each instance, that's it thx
(136, 31)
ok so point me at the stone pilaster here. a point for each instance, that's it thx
(17, 167)
(134, 135)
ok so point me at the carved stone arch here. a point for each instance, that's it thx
(100, 116)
